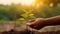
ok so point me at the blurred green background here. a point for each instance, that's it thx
(17, 14)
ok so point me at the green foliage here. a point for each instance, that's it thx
(8, 12)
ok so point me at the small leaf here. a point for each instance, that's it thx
(21, 19)
(24, 15)
(31, 15)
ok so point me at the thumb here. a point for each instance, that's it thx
(32, 20)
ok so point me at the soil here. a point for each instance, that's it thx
(26, 32)
(16, 32)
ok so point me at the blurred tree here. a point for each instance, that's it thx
(50, 3)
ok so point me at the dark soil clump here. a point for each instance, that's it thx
(28, 32)
(16, 32)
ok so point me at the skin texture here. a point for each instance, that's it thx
(39, 23)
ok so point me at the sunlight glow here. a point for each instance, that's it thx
(27, 2)
(34, 3)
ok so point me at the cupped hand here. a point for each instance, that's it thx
(37, 23)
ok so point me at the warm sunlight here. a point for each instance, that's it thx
(27, 2)
(23, 2)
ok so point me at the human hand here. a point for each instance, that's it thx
(37, 23)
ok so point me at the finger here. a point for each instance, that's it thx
(32, 20)
(28, 24)
(33, 23)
